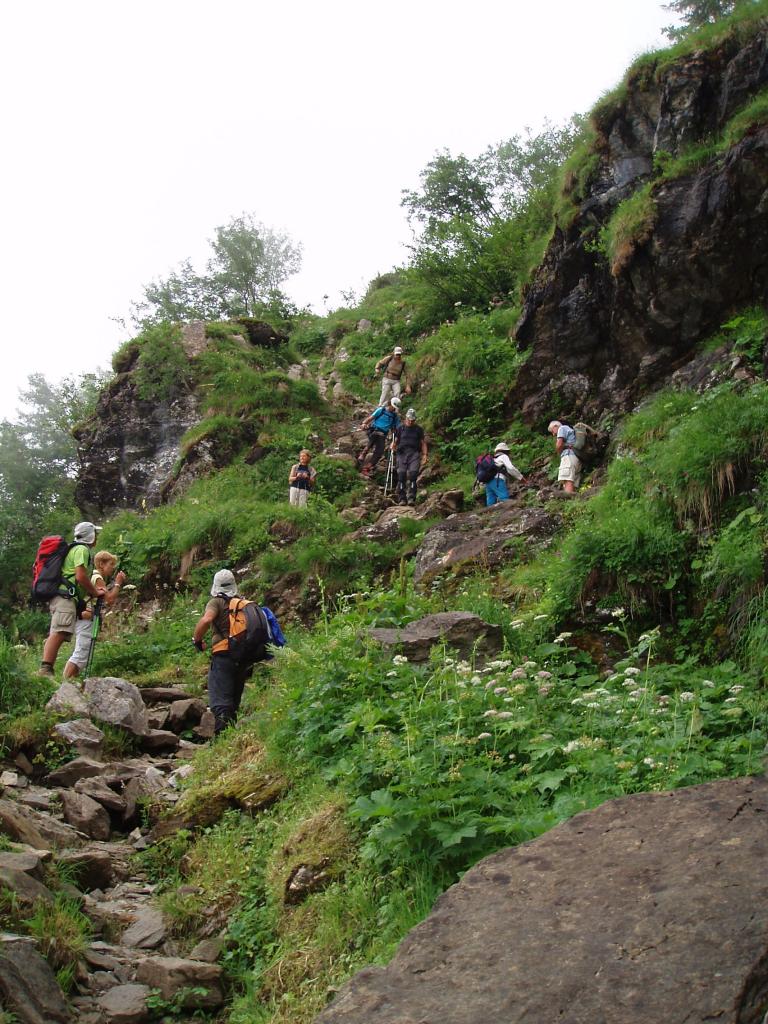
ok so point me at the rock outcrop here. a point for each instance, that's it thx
(651, 908)
(601, 334)
(488, 537)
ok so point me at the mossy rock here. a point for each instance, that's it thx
(316, 854)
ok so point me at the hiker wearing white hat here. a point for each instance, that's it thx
(496, 489)
(410, 447)
(226, 615)
(393, 381)
(382, 421)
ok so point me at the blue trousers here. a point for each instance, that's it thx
(496, 490)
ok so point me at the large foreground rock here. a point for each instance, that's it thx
(467, 632)
(652, 909)
(116, 702)
(28, 987)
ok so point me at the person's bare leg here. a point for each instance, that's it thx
(53, 646)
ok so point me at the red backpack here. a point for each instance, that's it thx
(47, 581)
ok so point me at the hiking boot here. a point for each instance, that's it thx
(45, 670)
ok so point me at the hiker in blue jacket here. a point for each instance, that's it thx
(382, 421)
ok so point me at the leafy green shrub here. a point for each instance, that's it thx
(19, 693)
(163, 370)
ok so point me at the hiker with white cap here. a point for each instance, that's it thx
(75, 587)
(496, 488)
(393, 380)
(410, 447)
(228, 615)
(383, 420)
(570, 464)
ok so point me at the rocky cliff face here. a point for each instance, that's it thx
(129, 450)
(602, 334)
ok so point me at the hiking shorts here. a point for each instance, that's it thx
(63, 615)
(83, 641)
(570, 468)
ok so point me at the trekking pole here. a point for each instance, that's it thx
(94, 633)
(388, 479)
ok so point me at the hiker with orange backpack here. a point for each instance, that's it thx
(243, 632)
(63, 574)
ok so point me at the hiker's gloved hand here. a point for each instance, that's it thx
(199, 644)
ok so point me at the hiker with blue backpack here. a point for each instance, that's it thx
(62, 575)
(383, 421)
(565, 446)
(242, 634)
(494, 471)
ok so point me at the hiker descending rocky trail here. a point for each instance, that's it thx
(85, 820)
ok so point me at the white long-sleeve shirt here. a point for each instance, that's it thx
(505, 465)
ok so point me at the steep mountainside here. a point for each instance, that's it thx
(615, 307)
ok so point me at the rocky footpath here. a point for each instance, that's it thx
(650, 908)
(88, 815)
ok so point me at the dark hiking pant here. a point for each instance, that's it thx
(376, 442)
(226, 682)
(408, 463)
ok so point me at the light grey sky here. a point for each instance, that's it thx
(130, 131)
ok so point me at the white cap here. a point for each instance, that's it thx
(411, 414)
(224, 583)
(502, 446)
(398, 351)
(85, 533)
(395, 402)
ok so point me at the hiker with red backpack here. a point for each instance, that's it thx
(494, 471)
(243, 633)
(62, 573)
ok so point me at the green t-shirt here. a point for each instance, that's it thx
(80, 554)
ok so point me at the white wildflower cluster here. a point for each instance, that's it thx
(618, 613)
(631, 671)
(562, 637)
(392, 673)
(540, 618)
(686, 696)
(484, 735)
(399, 659)
(708, 684)
(496, 666)
(543, 675)
(735, 689)
(649, 761)
(517, 624)
(518, 673)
